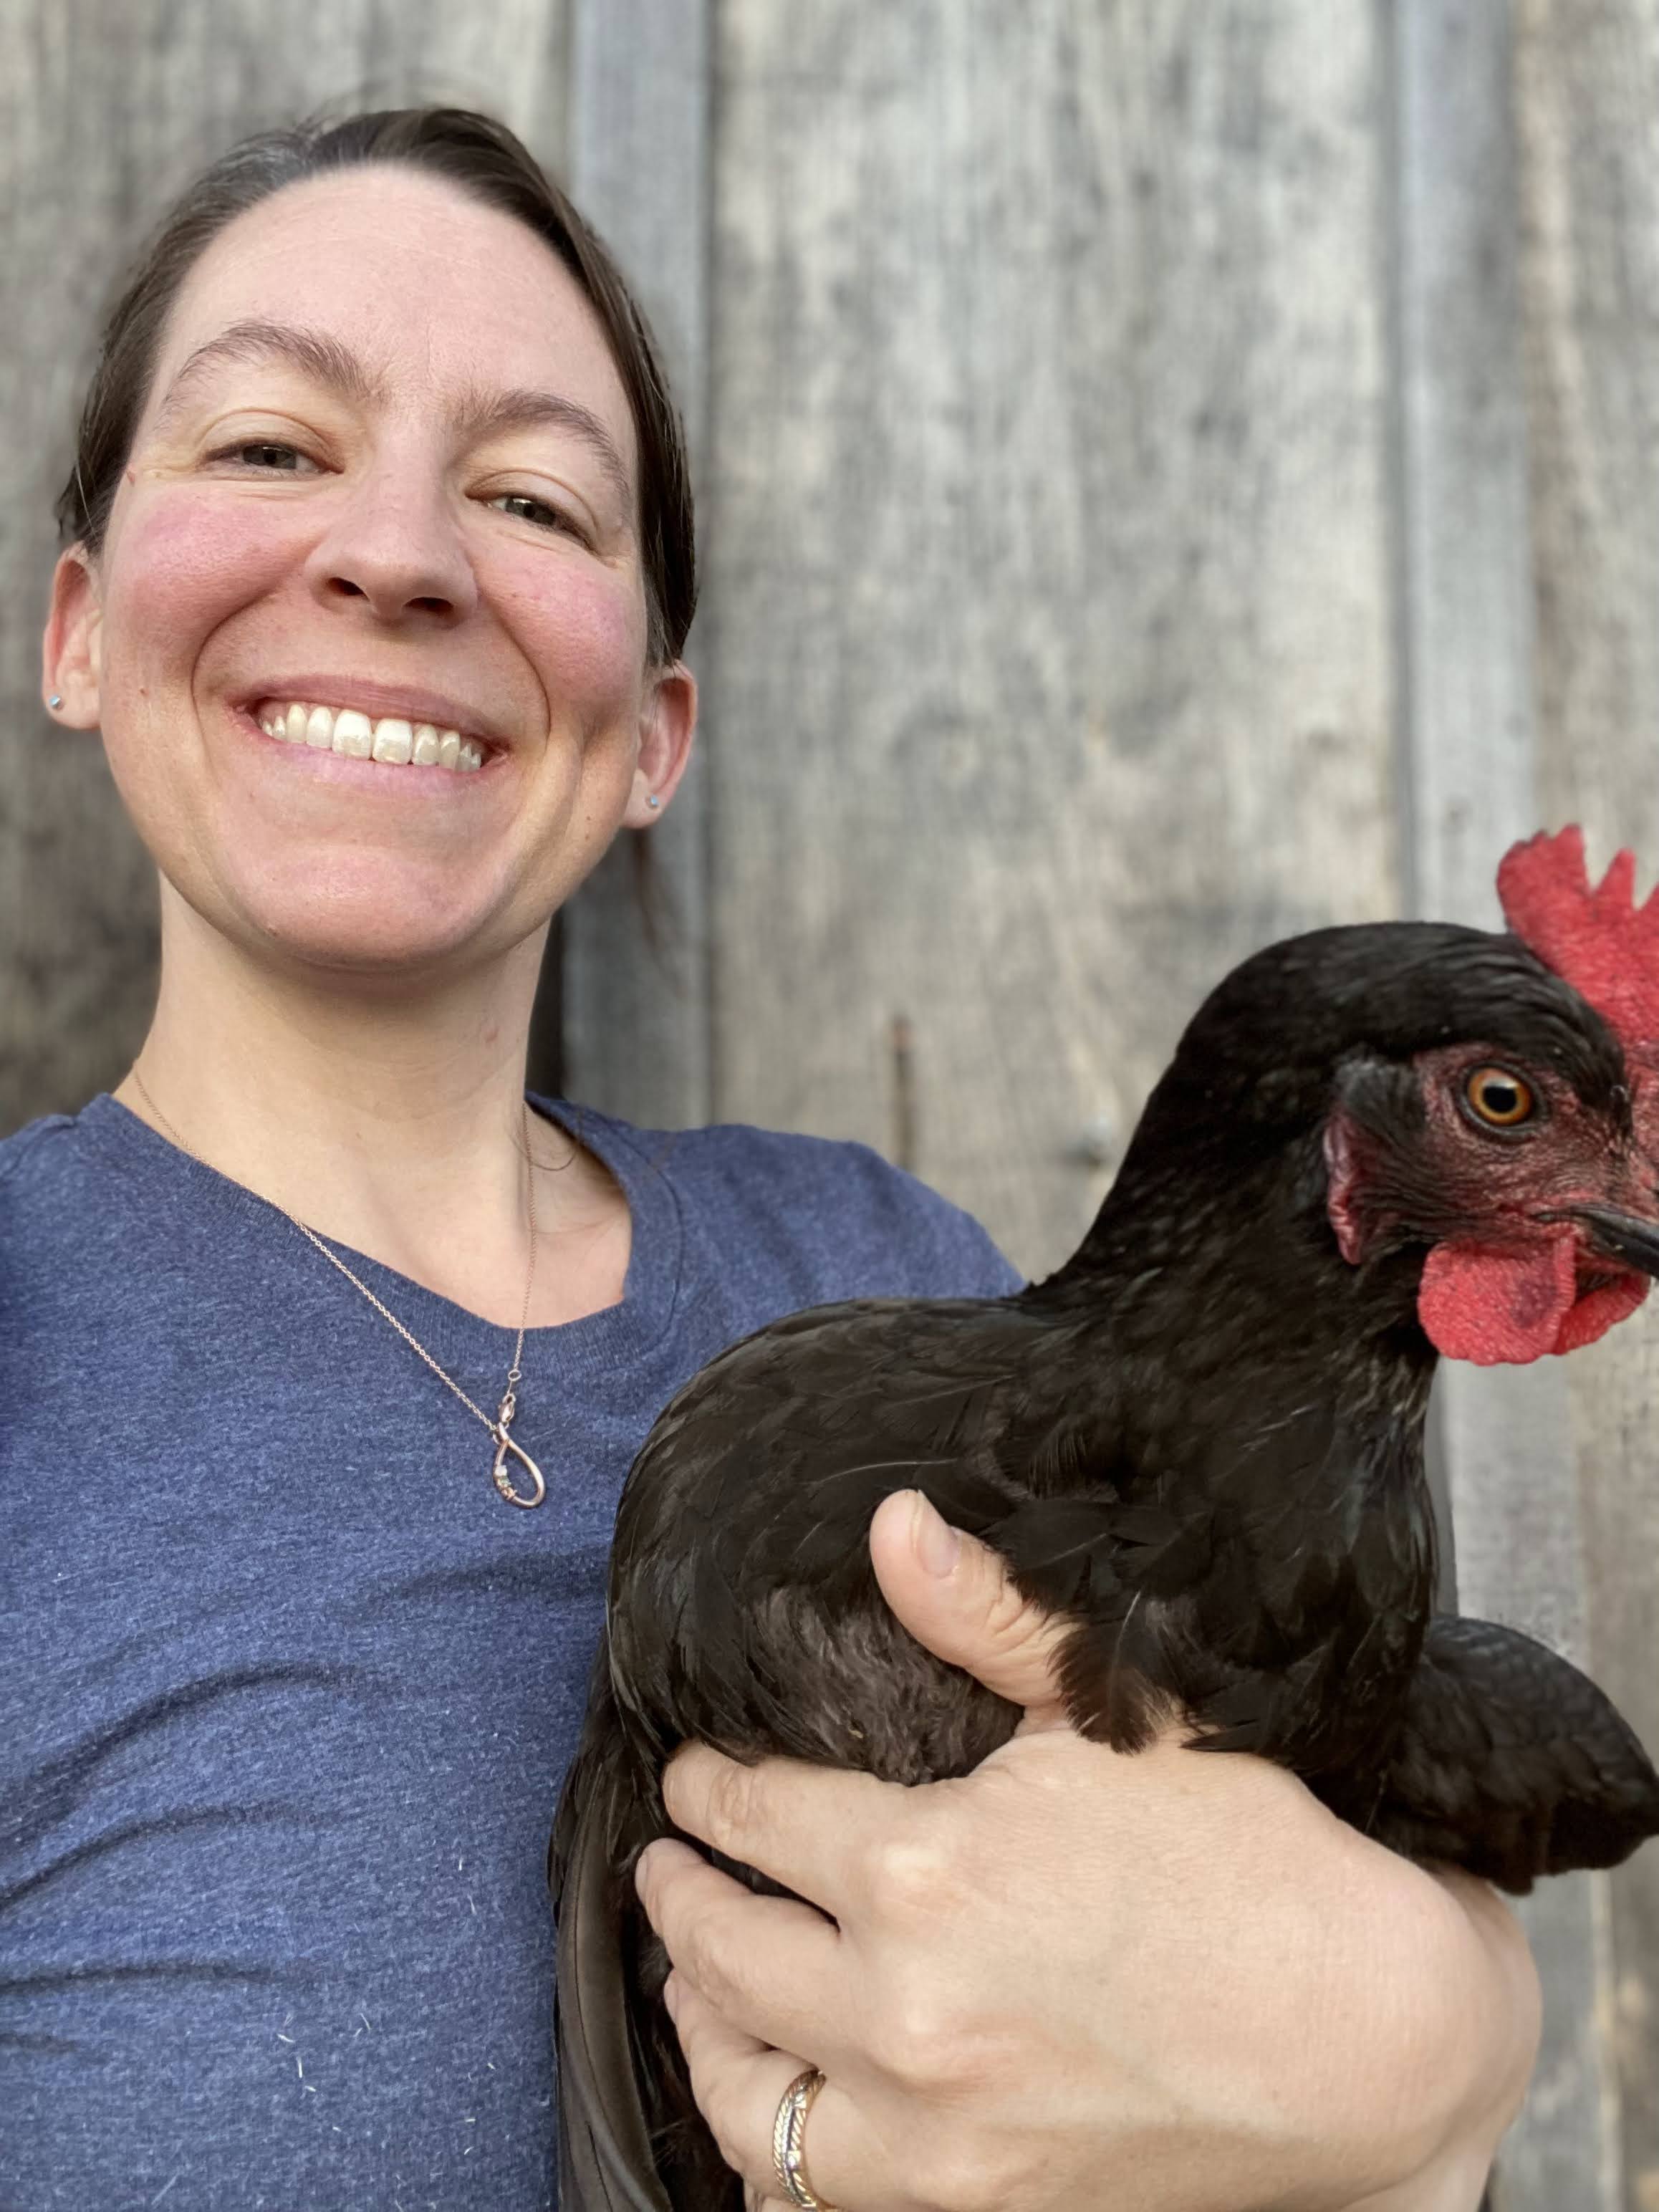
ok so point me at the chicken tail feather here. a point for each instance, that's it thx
(1510, 1763)
(605, 2159)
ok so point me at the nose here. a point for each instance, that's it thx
(396, 546)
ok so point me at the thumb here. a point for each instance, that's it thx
(954, 1596)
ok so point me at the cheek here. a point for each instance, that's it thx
(583, 629)
(183, 563)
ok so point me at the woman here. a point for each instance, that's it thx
(379, 568)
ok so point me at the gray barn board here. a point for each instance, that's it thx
(635, 996)
(1470, 774)
(1171, 472)
(1588, 91)
(1050, 664)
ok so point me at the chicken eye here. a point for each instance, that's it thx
(1501, 1100)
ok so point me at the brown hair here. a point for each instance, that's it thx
(488, 163)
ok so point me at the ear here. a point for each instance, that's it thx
(668, 721)
(71, 649)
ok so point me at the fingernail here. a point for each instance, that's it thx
(639, 1873)
(938, 1545)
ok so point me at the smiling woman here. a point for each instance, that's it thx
(379, 566)
(378, 571)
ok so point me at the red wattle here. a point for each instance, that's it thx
(1600, 1310)
(1496, 1306)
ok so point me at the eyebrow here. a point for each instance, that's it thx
(486, 414)
(477, 415)
(312, 352)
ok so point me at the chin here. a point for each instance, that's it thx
(371, 922)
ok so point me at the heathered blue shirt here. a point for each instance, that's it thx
(287, 1691)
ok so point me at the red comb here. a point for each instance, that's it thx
(1597, 939)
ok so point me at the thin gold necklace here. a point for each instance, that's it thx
(499, 1474)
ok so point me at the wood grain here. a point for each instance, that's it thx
(1051, 659)
(106, 108)
(637, 1020)
(1469, 757)
(1170, 475)
(1588, 84)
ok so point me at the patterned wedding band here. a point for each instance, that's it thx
(789, 2141)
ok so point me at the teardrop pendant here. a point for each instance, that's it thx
(503, 1480)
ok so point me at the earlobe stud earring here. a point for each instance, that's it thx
(653, 800)
(56, 700)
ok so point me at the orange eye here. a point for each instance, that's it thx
(1498, 1098)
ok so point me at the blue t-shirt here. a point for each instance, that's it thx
(287, 1691)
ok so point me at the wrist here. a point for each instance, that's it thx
(1467, 2062)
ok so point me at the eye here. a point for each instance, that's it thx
(267, 453)
(1498, 1098)
(524, 507)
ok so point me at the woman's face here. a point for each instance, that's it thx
(387, 467)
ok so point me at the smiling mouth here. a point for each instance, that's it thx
(390, 740)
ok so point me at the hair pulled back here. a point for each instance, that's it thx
(488, 163)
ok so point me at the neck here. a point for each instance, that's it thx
(386, 1116)
(1218, 1290)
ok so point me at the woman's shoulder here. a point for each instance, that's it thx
(39, 1151)
(759, 1189)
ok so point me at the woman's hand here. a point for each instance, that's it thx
(1076, 1978)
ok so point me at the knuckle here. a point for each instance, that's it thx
(1010, 1618)
(692, 1941)
(700, 1955)
(732, 1803)
(917, 2040)
(915, 1871)
(944, 2052)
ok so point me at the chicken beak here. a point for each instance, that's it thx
(1621, 1237)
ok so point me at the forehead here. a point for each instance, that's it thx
(438, 295)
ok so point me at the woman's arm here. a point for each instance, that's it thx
(1169, 1983)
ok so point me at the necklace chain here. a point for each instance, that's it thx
(509, 1406)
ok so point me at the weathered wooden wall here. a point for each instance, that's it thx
(1173, 471)
(1587, 93)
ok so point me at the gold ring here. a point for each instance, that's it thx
(789, 2141)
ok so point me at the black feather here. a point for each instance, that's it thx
(1199, 1443)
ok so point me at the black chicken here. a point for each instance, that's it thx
(1201, 1441)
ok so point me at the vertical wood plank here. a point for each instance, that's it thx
(1052, 663)
(1588, 90)
(636, 1034)
(107, 107)
(1469, 745)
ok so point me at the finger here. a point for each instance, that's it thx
(782, 1816)
(739, 2082)
(955, 1595)
(772, 1965)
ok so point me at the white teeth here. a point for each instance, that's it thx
(354, 733)
(392, 741)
